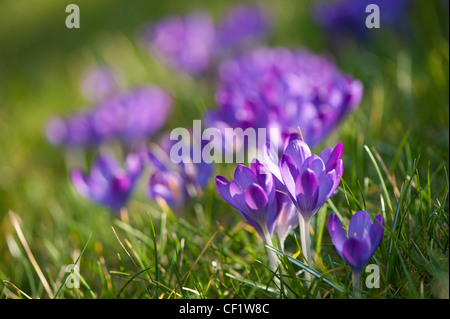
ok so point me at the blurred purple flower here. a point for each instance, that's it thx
(193, 43)
(131, 117)
(277, 87)
(169, 186)
(100, 83)
(109, 184)
(363, 238)
(242, 26)
(310, 180)
(175, 182)
(347, 17)
(184, 43)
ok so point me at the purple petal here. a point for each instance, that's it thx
(287, 218)
(359, 224)
(327, 186)
(315, 163)
(80, 182)
(223, 187)
(335, 156)
(256, 198)
(354, 254)
(325, 155)
(376, 232)
(306, 190)
(133, 165)
(289, 173)
(298, 150)
(244, 176)
(104, 167)
(337, 233)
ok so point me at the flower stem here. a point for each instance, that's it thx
(273, 259)
(356, 283)
(306, 244)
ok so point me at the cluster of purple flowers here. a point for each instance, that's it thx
(259, 88)
(194, 43)
(130, 117)
(276, 196)
(286, 89)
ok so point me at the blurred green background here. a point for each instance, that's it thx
(41, 64)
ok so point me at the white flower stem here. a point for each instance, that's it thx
(356, 283)
(306, 245)
(273, 259)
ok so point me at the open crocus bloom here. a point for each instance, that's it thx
(108, 183)
(310, 180)
(362, 240)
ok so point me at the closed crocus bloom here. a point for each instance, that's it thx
(167, 186)
(310, 180)
(362, 240)
(252, 193)
(109, 184)
(177, 181)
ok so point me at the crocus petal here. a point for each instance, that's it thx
(263, 174)
(289, 173)
(354, 255)
(325, 154)
(327, 186)
(359, 223)
(306, 190)
(80, 182)
(223, 187)
(256, 198)
(133, 165)
(104, 167)
(376, 232)
(270, 158)
(244, 176)
(315, 163)
(287, 218)
(298, 150)
(337, 233)
(335, 156)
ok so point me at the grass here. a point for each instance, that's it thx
(395, 154)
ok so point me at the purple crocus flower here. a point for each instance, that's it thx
(362, 240)
(175, 182)
(109, 184)
(347, 17)
(130, 117)
(168, 186)
(287, 89)
(310, 180)
(99, 83)
(184, 43)
(241, 26)
(252, 193)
